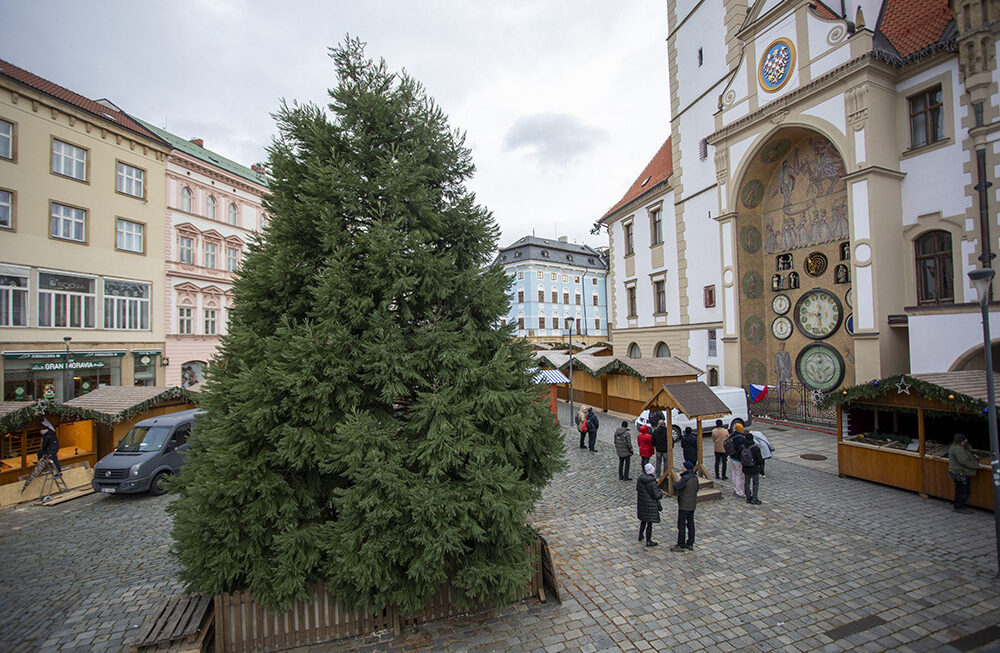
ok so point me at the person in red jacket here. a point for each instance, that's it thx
(645, 444)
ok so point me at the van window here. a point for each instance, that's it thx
(180, 436)
(143, 438)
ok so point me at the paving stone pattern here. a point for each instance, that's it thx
(820, 554)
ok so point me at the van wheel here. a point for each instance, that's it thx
(732, 425)
(677, 433)
(157, 487)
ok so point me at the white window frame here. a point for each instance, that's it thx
(211, 319)
(7, 209)
(85, 304)
(130, 180)
(9, 292)
(124, 312)
(185, 321)
(520, 275)
(187, 199)
(210, 206)
(553, 276)
(210, 254)
(233, 214)
(6, 140)
(69, 160)
(185, 254)
(67, 220)
(541, 275)
(128, 232)
(232, 259)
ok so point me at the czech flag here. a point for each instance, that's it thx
(757, 393)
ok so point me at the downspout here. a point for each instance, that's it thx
(843, 14)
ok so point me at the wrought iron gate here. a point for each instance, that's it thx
(795, 403)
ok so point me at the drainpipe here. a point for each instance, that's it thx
(986, 258)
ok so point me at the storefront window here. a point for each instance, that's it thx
(145, 368)
(30, 376)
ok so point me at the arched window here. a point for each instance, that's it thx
(935, 275)
(210, 207)
(662, 350)
(633, 351)
(713, 376)
(232, 213)
(186, 199)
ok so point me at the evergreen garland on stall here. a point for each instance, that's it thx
(898, 384)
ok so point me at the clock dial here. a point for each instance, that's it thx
(849, 324)
(818, 314)
(820, 367)
(780, 304)
(781, 328)
(849, 298)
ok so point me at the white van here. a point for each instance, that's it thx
(735, 399)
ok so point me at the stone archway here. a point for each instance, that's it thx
(795, 301)
(974, 359)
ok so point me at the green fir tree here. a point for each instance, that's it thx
(370, 422)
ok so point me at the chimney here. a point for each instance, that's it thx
(563, 239)
(199, 142)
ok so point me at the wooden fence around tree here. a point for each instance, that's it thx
(242, 625)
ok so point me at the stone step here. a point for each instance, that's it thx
(709, 494)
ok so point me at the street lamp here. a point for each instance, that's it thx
(67, 394)
(569, 327)
(981, 279)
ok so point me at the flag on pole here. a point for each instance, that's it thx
(757, 393)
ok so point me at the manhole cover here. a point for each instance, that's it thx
(812, 456)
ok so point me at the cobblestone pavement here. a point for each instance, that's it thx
(794, 574)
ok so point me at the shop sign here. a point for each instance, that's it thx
(85, 387)
(55, 353)
(49, 391)
(146, 352)
(61, 365)
(19, 393)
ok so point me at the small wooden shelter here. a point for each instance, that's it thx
(696, 401)
(554, 378)
(897, 431)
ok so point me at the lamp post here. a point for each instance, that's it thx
(67, 395)
(981, 279)
(569, 323)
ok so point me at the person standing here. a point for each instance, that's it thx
(737, 440)
(50, 446)
(645, 441)
(660, 446)
(766, 450)
(623, 447)
(689, 443)
(592, 425)
(962, 466)
(581, 424)
(647, 503)
(686, 489)
(752, 460)
(719, 436)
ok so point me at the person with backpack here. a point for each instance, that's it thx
(686, 489)
(592, 424)
(719, 436)
(581, 425)
(623, 447)
(734, 447)
(660, 446)
(645, 442)
(766, 450)
(647, 505)
(689, 443)
(751, 459)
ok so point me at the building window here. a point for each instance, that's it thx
(69, 160)
(709, 296)
(128, 235)
(540, 275)
(210, 207)
(576, 279)
(555, 296)
(629, 240)
(632, 313)
(935, 279)
(565, 297)
(633, 351)
(713, 376)
(6, 209)
(232, 259)
(184, 321)
(126, 305)
(593, 282)
(712, 343)
(701, 57)
(520, 323)
(541, 296)
(659, 297)
(520, 275)
(926, 118)
(565, 278)
(13, 300)
(596, 299)
(186, 198)
(662, 350)
(185, 250)
(210, 314)
(65, 301)
(68, 223)
(210, 251)
(597, 323)
(541, 322)
(130, 180)
(579, 299)
(232, 214)
(520, 296)
(553, 276)
(656, 226)
(703, 149)
(6, 140)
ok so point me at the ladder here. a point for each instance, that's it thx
(50, 480)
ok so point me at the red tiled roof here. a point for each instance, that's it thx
(657, 170)
(107, 114)
(823, 11)
(912, 25)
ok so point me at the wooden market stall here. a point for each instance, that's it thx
(554, 379)
(696, 401)
(897, 431)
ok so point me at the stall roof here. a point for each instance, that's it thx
(644, 368)
(600, 347)
(967, 387)
(550, 377)
(694, 399)
(554, 358)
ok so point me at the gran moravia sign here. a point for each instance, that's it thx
(73, 365)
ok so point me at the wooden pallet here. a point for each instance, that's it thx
(56, 499)
(182, 623)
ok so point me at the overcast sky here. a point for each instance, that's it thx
(563, 102)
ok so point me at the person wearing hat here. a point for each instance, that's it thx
(50, 445)
(647, 506)
(962, 466)
(738, 441)
(686, 489)
(719, 436)
(623, 447)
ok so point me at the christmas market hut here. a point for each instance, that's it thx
(620, 383)
(554, 379)
(897, 431)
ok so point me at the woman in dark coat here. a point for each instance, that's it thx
(689, 442)
(647, 505)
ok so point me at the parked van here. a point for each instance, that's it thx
(148, 454)
(735, 399)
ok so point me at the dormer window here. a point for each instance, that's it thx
(569, 257)
(545, 253)
(644, 182)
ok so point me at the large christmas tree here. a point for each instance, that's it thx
(370, 422)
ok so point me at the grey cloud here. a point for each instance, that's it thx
(555, 138)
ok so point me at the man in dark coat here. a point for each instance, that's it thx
(689, 442)
(647, 505)
(50, 446)
(686, 489)
(660, 445)
(592, 425)
(751, 459)
(623, 447)
(962, 466)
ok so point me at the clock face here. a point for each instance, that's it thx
(781, 328)
(780, 304)
(818, 314)
(820, 367)
(849, 324)
(849, 298)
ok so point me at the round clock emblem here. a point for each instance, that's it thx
(753, 330)
(750, 238)
(849, 298)
(816, 264)
(818, 314)
(753, 284)
(776, 65)
(849, 324)
(820, 367)
(781, 328)
(780, 304)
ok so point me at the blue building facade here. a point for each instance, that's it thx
(557, 286)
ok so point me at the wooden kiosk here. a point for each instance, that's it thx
(897, 431)
(696, 401)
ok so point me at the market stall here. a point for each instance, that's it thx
(897, 431)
